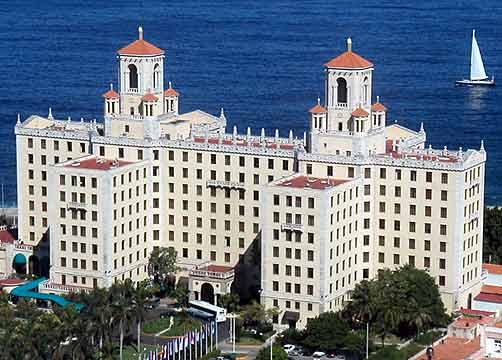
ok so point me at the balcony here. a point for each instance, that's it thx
(209, 273)
(51, 286)
(76, 205)
(291, 227)
(225, 184)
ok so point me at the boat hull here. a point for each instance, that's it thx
(467, 82)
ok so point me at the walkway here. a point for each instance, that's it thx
(30, 290)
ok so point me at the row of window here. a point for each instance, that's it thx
(56, 147)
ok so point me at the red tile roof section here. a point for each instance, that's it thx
(492, 298)
(318, 109)
(97, 164)
(311, 183)
(401, 155)
(11, 282)
(8, 236)
(491, 289)
(378, 107)
(349, 60)
(141, 47)
(111, 94)
(359, 112)
(493, 269)
(218, 268)
(149, 97)
(454, 348)
(472, 312)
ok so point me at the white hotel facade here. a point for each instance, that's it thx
(297, 221)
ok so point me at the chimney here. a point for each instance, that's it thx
(349, 44)
(140, 33)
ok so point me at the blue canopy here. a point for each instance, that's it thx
(30, 290)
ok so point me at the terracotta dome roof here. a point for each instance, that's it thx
(378, 106)
(349, 60)
(149, 97)
(360, 112)
(140, 47)
(171, 92)
(111, 94)
(318, 109)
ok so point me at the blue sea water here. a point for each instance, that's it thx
(260, 60)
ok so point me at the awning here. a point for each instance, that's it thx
(290, 316)
(19, 259)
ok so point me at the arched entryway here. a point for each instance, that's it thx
(19, 264)
(207, 293)
(469, 301)
(33, 265)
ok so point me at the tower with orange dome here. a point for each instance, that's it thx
(141, 67)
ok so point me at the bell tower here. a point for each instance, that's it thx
(141, 72)
(348, 87)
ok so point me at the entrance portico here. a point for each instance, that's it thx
(208, 282)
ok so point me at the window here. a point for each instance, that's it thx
(383, 173)
(133, 77)
(428, 176)
(341, 90)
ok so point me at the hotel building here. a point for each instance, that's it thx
(298, 221)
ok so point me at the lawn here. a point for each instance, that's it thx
(249, 340)
(392, 353)
(182, 324)
(130, 352)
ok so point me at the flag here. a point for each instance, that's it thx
(212, 328)
(185, 341)
(170, 346)
(165, 352)
(175, 345)
(196, 335)
(193, 337)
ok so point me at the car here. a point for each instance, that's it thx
(318, 354)
(288, 348)
(168, 313)
(339, 357)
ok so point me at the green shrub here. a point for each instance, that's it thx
(429, 337)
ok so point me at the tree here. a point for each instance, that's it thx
(140, 296)
(492, 235)
(254, 314)
(278, 353)
(397, 299)
(326, 332)
(230, 302)
(162, 265)
(182, 295)
(120, 294)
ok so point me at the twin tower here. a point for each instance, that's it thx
(348, 122)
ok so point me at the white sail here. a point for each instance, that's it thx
(477, 67)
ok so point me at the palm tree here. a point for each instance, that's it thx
(140, 296)
(121, 293)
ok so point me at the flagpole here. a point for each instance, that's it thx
(216, 326)
(190, 344)
(200, 338)
(211, 327)
(205, 336)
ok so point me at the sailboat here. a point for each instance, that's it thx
(478, 74)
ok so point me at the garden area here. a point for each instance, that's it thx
(176, 325)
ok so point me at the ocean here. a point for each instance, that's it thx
(259, 60)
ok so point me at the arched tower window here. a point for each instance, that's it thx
(133, 77)
(365, 90)
(342, 90)
(156, 76)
